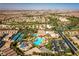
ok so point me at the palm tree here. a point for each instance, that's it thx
(55, 23)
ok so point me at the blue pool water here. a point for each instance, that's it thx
(23, 45)
(15, 37)
(34, 34)
(38, 41)
(20, 37)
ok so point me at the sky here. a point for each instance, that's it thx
(38, 6)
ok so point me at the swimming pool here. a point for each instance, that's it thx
(35, 35)
(15, 37)
(20, 37)
(38, 41)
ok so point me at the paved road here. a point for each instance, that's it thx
(71, 46)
